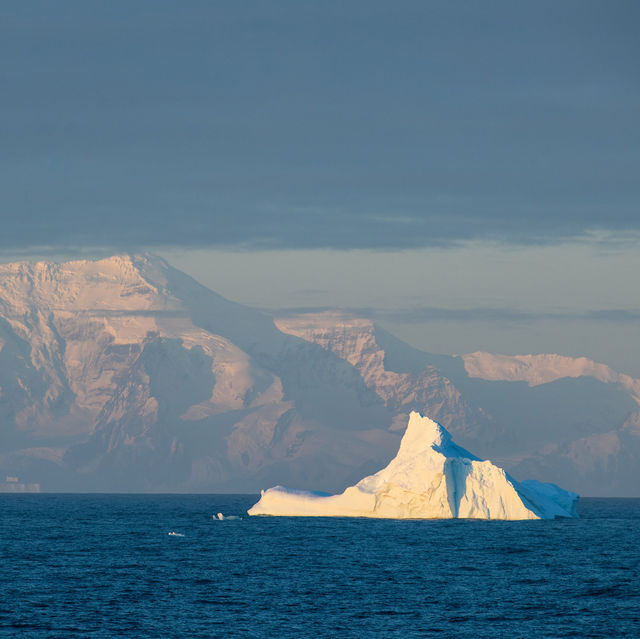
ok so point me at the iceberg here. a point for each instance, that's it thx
(431, 477)
(221, 517)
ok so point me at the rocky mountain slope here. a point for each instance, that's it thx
(567, 420)
(126, 374)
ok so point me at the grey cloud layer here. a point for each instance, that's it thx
(286, 124)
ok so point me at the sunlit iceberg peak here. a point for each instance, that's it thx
(431, 477)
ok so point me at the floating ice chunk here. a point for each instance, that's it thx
(221, 517)
(431, 477)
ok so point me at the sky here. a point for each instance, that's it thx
(465, 173)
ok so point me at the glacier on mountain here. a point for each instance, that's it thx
(431, 477)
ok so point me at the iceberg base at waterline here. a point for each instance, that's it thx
(431, 477)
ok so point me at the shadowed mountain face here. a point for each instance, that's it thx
(126, 374)
(565, 420)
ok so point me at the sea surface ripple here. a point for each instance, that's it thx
(106, 566)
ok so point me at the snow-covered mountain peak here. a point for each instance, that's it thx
(114, 283)
(542, 369)
(83, 327)
(410, 382)
(351, 338)
(128, 363)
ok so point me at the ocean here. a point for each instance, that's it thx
(106, 566)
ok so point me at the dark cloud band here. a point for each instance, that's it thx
(298, 125)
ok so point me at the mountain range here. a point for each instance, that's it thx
(125, 374)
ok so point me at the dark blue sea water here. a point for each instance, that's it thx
(105, 566)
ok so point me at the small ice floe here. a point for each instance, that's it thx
(221, 517)
(175, 534)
